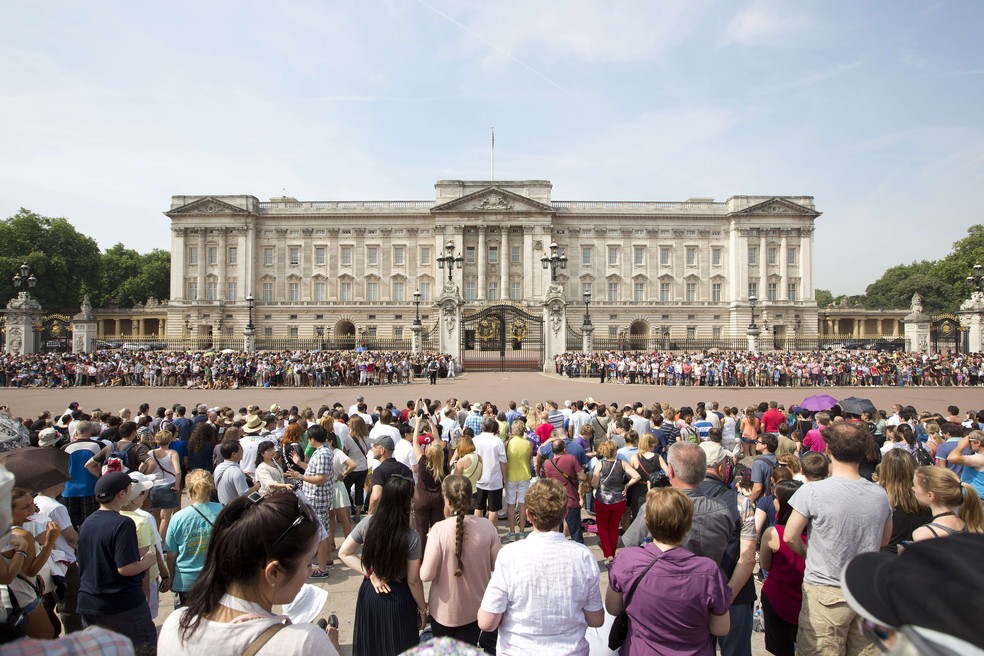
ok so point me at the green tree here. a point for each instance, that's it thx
(823, 297)
(129, 278)
(897, 285)
(64, 261)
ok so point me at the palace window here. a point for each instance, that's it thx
(230, 291)
(585, 256)
(425, 255)
(268, 292)
(638, 255)
(346, 256)
(516, 254)
(268, 256)
(294, 255)
(345, 291)
(192, 290)
(233, 255)
(638, 292)
(715, 291)
(613, 292)
(213, 255)
(319, 291)
(664, 256)
(192, 255)
(791, 256)
(425, 292)
(516, 290)
(293, 292)
(664, 292)
(470, 255)
(773, 291)
(791, 291)
(773, 255)
(320, 255)
(471, 290)
(211, 290)
(372, 291)
(372, 255)
(493, 291)
(613, 256)
(399, 291)
(691, 256)
(399, 256)
(691, 292)
(493, 254)
(715, 257)
(753, 255)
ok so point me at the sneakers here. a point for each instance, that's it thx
(319, 574)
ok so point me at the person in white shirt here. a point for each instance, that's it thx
(354, 408)
(252, 436)
(492, 451)
(65, 544)
(543, 605)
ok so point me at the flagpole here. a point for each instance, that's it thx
(492, 157)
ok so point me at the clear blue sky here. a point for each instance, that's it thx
(109, 108)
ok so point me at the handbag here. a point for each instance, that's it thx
(620, 625)
(15, 625)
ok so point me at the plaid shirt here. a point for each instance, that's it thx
(474, 422)
(320, 496)
(94, 640)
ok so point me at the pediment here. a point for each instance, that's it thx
(777, 206)
(207, 205)
(493, 199)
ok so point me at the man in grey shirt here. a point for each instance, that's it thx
(230, 481)
(712, 526)
(847, 515)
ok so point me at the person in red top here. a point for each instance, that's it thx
(772, 417)
(564, 468)
(782, 592)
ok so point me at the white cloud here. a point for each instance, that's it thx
(770, 23)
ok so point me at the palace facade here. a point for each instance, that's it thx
(339, 269)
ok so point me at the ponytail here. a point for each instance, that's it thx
(459, 539)
(458, 492)
(970, 510)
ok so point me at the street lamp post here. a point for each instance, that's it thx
(587, 302)
(753, 330)
(976, 281)
(752, 302)
(250, 303)
(553, 261)
(416, 302)
(25, 278)
(449, 261)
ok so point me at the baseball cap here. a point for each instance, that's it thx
(386, 442)
(141, 483)
(904, 590)
(111, 484)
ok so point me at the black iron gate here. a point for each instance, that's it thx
(502, 338)
(55, 335)
(946, 334)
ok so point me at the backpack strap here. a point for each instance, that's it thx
(262, 639)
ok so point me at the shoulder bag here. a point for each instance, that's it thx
(620, 625)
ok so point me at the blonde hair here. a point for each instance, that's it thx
(669, 514)
(200, 485)
(950, 492)
(164, 438)
(895, 474)
(607, 449)
(434, 455)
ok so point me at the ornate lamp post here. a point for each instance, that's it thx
(25, 278)
(553, 261)
(587, 330)
(416, 302)
(250, 303)
(587, 302)
(753, 330)
(976, 281)
(449, 261)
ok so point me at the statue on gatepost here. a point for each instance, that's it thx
(972, 319)
(917, 327)
(449, 305)
(84, 328)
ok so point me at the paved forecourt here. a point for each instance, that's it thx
(343, 584)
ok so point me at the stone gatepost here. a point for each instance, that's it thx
(84, 328)
(752, 334)
(587, 338)
(450, 303)
(917, 327)
(417, 339)
(22, 313)
(972, 318)
(554, 326)
(249, 339)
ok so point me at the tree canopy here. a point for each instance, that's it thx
(68, 265)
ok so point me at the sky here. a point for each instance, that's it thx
(108, 108)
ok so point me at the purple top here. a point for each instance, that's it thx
(669, 609)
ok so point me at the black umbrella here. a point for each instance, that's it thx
(13, 434)
(853, 405)
(37, 468)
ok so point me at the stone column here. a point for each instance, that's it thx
(806, 264)
(202, 264)
(249, 340)
(504, 260)
(450, 303)
(783, 269)
(178, 251)
(752, 334)
(480, 259)
(554, 326)
(84, 328)
(223, 253)
(531, 268)
(417, 341)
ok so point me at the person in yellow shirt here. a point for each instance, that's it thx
(519, 454)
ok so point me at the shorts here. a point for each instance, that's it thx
(516, 492)
(748, 440)
(164, 497)
(490, 500)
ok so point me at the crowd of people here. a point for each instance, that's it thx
(715, 368)
(686, 503)
(223, 370)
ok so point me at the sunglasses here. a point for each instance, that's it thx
(303, 511)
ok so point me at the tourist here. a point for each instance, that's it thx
(267, 472)
(201, 447)
(492, 451)
(229, 609)
(544, 592)
(355, 444)
(782, 592)
(112, 568)
(955, 506)
(749, 428)
(158, 578)
(22, 587)
(318, 485)
(230, 481)
(428, 501)
(458, 562)
(466, 461)
(189, 534)
(165, 497)
(390, 609)
(850, 515)
(65, 603)
(564, 468)
(79, 496)
(519, 458)
(610, 480)
(969, 454)
(676, 600)
(895, 474)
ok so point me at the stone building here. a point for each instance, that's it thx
(344, 270)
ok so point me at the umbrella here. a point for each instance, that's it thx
(37, 468)
(818, 402)
(227, 351)
(853, 405)
(13, 434)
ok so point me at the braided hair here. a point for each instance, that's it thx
(458, 493)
